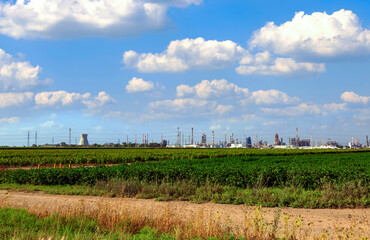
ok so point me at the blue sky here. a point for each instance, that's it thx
(117, 68)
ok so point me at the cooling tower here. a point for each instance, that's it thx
(83, 140)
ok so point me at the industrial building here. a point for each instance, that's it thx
(83, 140)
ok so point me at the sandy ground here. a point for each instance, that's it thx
(315, 222)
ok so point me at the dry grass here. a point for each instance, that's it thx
(202, 224)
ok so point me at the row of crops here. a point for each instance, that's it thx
(32, 157)
(307, 171)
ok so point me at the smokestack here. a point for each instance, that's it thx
(178, 136)
(297, 138)
(192, 136)
(83, 140)
(213, 137)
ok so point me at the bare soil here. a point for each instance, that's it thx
(314, 222)
(3, 168)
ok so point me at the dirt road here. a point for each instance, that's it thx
(315, 222)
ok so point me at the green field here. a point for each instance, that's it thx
(294, 177)
(34, 156)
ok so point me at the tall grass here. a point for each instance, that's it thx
(349, 195)
(20, 224)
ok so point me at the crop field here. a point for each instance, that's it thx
(34, 156)
(257, 167)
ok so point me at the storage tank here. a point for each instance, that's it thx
(83, 140)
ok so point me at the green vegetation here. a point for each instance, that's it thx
(306, 171)
(34, 156)
(310, 181)
(329, 196)
(20, 224)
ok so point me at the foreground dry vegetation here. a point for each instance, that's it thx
(183, 220)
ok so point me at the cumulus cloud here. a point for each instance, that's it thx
(10, 120)
(59, 98)
(81, 18)
(278, 66)
(222, 109)
(214, 88)
(139, 85)
(271, 96)
(63, 98)
(189, 106)
(306, 109)
(51, 124)
(182, 55)
(186, 54)
(17, 75)
(352, 97)
(99, 101)
(183, 105)
(319, 34)
(15, 99)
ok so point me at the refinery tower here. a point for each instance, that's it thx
(83, 140)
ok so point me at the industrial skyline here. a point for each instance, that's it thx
(187, 137)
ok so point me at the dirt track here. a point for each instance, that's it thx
(316, 221)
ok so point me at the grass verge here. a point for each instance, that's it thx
(20, 224)
(349, 195)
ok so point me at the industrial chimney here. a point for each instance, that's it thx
(83, 140)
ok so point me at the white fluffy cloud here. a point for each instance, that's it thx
(98, 101)
(9, 120)
(222, 109)
(278, 66)
(17, 75)
(304, 109)
(182, 105)
(354, 98)
(80, 18)
(63, 98)
(182, 55)
(51, 125)
(59, 98)
(319, 34)
(195, 107)
(271, 96)
(214, 88)
(15, 99)
(139, 85)
(222, 88)
(186, 54)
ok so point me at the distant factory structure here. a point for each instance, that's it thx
(223, 140)
(83, 140)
